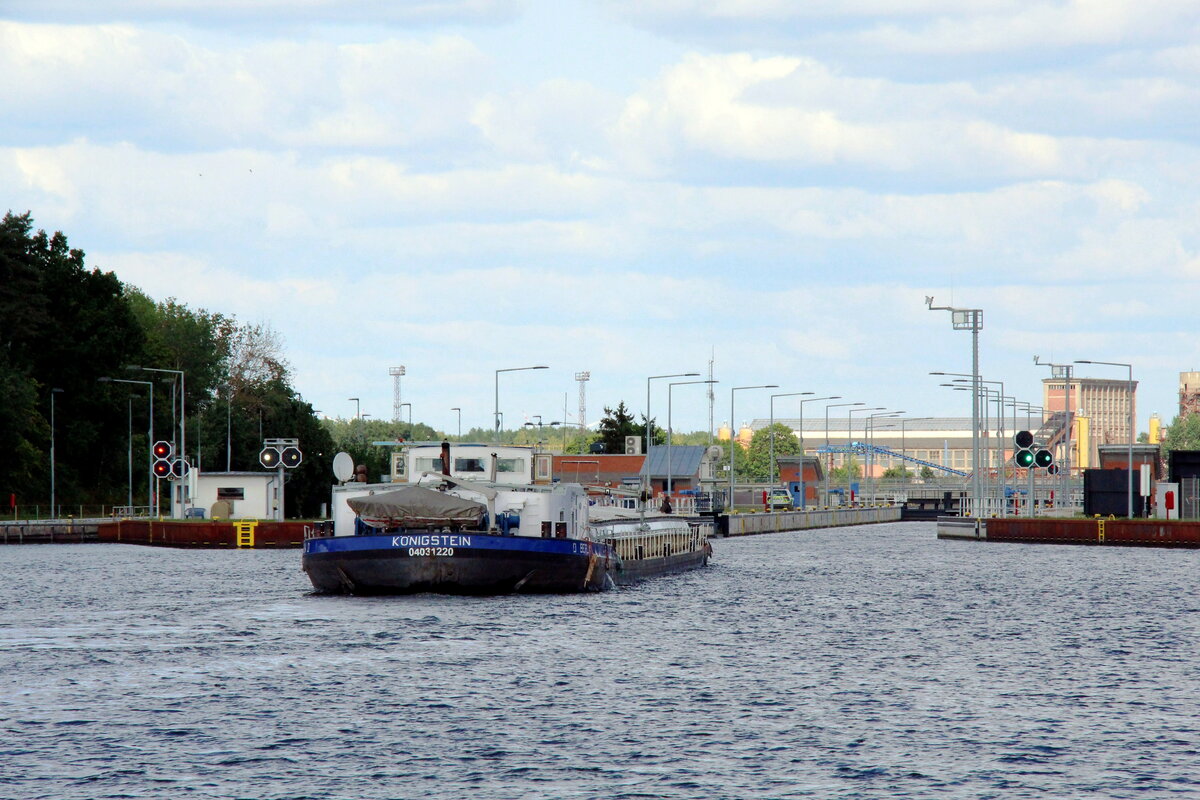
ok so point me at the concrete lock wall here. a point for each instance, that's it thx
(778, 521)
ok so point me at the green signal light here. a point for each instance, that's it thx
(1024, 458)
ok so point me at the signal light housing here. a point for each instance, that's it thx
(162, 449)
(180, 468)
(162, 468)
(1024, 458)
(1043, 459)
(291, 457)
(269, 457)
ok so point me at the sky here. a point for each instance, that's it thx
(632, 188)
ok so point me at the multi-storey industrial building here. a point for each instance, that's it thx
(1189, 393)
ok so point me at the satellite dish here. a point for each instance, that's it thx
(343, 467)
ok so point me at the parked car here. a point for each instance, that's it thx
(779, 499)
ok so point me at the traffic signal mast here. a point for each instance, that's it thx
(1030, 455)
(278, 454)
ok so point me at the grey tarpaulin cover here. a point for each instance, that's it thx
(415, 506)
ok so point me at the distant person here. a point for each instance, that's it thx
(666, 504)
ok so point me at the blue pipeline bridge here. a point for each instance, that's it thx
(862, 448)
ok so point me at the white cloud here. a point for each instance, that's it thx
(730, 111)
(268, 13)
(420, 200)
(927, 27)
(119, 83)
(558, 121)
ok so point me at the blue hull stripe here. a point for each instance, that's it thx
(460, 542)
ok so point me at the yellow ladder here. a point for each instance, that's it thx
(245, 533)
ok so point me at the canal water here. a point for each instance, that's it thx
(867, 662)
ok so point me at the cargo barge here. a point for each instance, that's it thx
(458, 530)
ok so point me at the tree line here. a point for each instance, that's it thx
(81, 347)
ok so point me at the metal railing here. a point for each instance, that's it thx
(40, 513)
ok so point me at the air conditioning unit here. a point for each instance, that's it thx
(633, 445)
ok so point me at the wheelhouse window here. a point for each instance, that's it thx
(468, 465)
(428, 465)
(510, 465)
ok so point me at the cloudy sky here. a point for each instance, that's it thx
(631, 187)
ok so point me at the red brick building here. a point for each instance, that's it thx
(803, 476)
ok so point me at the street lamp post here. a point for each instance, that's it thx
(653, 378)
(496, 411)
(732, 436)
(671, 386)
(1063, 372)
(357, 407)
(410, 427)
(149, 438)
(803, 501)
(961, 378)
(850, 435)
(812, 400)
(1132, 433)
(459, 410)
(870, 459)
(969, 319)
(903, 441)
(830, 454)
(771, 430)
(53, 392)
(182, 424)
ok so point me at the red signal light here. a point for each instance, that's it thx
(162, 449)
(162, 468)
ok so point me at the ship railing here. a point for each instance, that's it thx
(319, 530)
(635, 545)
(684, 504)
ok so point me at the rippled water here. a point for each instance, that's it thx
(870, 662)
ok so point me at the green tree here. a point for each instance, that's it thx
(927, 473)
(850, 471)
(179, 338)
(63, 327)
(1182, 434)
(755, 466)
(899, 471)
(618, 423)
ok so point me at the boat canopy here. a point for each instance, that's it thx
(415, 506)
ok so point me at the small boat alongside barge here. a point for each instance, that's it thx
(460, 531)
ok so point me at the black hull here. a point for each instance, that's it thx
(630, 572)
(385, 572)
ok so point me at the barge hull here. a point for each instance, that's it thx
(633, 571)
(468, 563)
(482, 573)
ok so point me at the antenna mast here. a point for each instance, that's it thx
(583, 378)
(396, 373)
